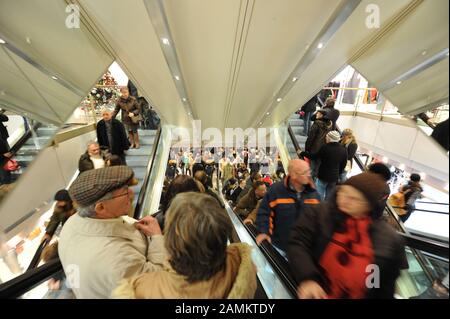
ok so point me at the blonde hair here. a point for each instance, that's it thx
(348, 137)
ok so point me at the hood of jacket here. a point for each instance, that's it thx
(237, 280)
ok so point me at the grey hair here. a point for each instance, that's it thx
(92, 143)
(89, 211)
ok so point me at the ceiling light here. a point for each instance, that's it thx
(260, 123)
(177, 78)
(448, 53)
(399, 82)
(54, 77)
(320, 45)
(424, 52)
(2, 41)
(267, 113)
(279, 99)
(184, 99)
(294, 79)
(189, 113)
(165, 41)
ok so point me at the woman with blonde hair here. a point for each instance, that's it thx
(201, 264)
(349, 141)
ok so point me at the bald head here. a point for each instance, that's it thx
(298, 171)
(297, 165)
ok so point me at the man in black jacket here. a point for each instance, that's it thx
(333, 158)
(112, 136)
(308, 109)
(333, 114)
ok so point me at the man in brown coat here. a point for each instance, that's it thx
(248, 203)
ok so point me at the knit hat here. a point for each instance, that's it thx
(62, 195)
(371, 185)
(334, 136)
(93, 184)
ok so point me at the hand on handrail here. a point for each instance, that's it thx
(262, 237)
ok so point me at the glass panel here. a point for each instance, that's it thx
(415, 283)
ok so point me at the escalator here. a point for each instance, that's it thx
(33, 283)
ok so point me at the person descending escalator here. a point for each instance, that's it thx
(213, 269)
(130, 115)
(336, 248)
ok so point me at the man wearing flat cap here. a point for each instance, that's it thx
(100, 245)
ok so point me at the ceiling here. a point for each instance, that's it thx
(232, 58)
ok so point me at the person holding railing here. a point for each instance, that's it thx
(411, 191)
(283, 203)
(64, 208)
(349, 141)
(342, 249)
(201, 263)
(99, 246)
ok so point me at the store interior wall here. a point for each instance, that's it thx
(406, 144)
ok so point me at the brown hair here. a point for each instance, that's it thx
(196, 233)
(348, 137)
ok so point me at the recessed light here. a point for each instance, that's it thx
(54, 77)
(448, 53)
(267, 113)
(260, 123)
(424, 52)
(189, 113)
(320, 45)
(2, 41)
(165, 41)
(184, 99)
(399, 82)
(294, 79)
(279, 99)
(177, 78)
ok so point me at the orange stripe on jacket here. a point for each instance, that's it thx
(311, 201)
(274, 203)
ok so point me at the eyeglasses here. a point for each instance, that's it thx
(127, 193)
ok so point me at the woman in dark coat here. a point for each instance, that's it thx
(343, 249)
(130, 111)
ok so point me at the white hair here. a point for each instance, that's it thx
(89, 211)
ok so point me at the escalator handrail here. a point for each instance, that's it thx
(433, 203)
(37, 255)
(276, 261)
(24, 138)
(426, 245)
(298, 149)
(18, 286)
(139, 204)
(425, 210)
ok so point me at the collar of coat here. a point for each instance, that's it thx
(237, 280)
(122, 226)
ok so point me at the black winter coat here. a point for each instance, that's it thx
(333, 158)
(85, 163)
(310, 106)
(316, 136)
(119, 136)
(315, 228)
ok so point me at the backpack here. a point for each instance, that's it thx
(397, 200)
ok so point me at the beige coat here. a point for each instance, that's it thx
(97, 253)
(237, 280)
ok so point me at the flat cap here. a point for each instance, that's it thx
(93, 184)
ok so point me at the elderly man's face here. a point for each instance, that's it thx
(93, 149)
(117, 206)
(106, 115)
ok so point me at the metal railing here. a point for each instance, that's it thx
(139, 204)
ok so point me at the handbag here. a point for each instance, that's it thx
(136, 119)
(11, 165)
